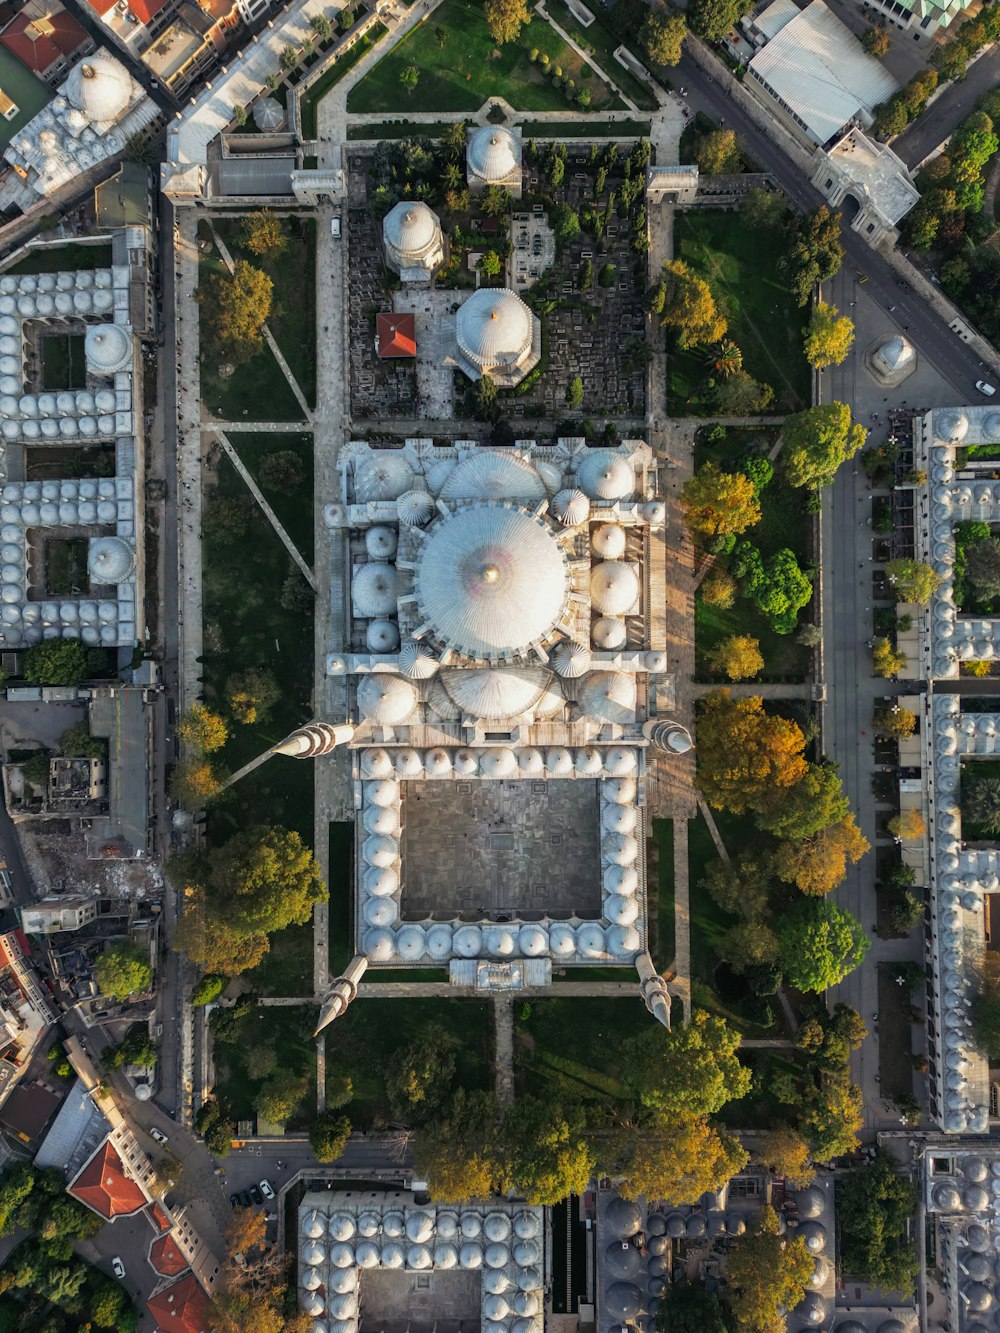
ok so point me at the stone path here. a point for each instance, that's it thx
(256, 426)
(570, 41)
(503, 1026)
(247, 768)
(720, 846)
(271, 516)
(189, 458)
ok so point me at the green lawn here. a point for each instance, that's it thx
(467, 69)
(740, 264)
(63, 362)
(293, 506)
(586, 129)
(785, 659)
(367, 1038)
(314, 95)
(57, 258)
(570, 1048)
(894, 1042)
(600, 42)
(289, 1030)
(30, 95)
(661, 922)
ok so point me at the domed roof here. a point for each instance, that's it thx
(570, 507)
(614, 588)
(493, 327)
(623, 1216)
(491, 475)
(99, 86)
(951, 426)
(386, 700)
(373, 589)
(607, 634)
(383, 475)
(107, 347)
(571, 659)
(605, 476)
(415, 508)
(496, 693)
(491, 580)
(410, 228)
(609, 541)
(110, 560)
(608, 696)
(991, 426)
(416, 662)
(895, 354)
(493, 153)
(268, 114)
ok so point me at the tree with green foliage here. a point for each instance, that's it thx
(982, 567)
(419, 1075)
(195, 782)
(784, 1151)
(718, 153)
(122, 970)
(896, 724)
(875, 1206)
(911, 580)
(820, 944)
(280, 1096)
(689, 1307)
(252, 694)
(263, 878)
(828, 337)
(545, 1152)
(739, 394)
(55, 662)
(77, 742)
(214, 1123)
(675, 1158)
(409, 78)
(742, 886)
(875, 40)
(495, 201)
(815, 802)
(263, 233)
(136, 1048)
(814, 252)
(458, 1152)
(209, 988)
(768, 1273)
(749, 945)
(832, 1114)
(490, 264)
(328, 1135)
(281, 471)
(574, 393)
(763, 210)
(662, 37)
(506, 18)
(202, 729)
(321, 26)
(692, 1070)
(818, 864)
(817, 440)
(713, 19)
(726, 359)
(777, 586)
(717, 503)
(565, 222)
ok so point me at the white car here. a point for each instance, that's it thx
(158, 1135)
(984, 387)
(117, 1267)
(267, 1189)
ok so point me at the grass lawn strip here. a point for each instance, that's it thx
(294, 509)
(570, 1047)
(464, 73)
(895, 1059)
(332, 76)
(289, 1029)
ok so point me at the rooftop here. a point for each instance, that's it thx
(104, 1185)
(180, 1308)
(39, 42)
(27, 92)
(396, 335)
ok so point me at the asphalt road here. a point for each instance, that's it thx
(926, 330)
(939, 120)
(22, 887)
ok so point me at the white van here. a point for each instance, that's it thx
(335, 228)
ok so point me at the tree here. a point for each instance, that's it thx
(874, 1207)
(718, 588)
(726, 359)
(252, 694)
(812, 804)
(777, 586)
(814, 252)
(718, 503)
(818, 864)
(741, 886)
(281, 470)
(545, 1153)
(137, 1048)
(886, 661)
(676, 1158)
(328, 1135)
(280, 1096)
(817, 441)
(490, 264)
(828, 337)
(875, 40)
(227, 518)
(322, 27)
(739, 394)
(744, 754)
(749, 945)
(907, 826)
(738, 657)
(288, 57)
(55, 662)
(768, 1273)
(832, 1114)
(194, 782)
(894, 723)
(209, 988)
(419, 1075)
(495, 201)
(409, 78)
(122, 970)
(982, 567)
(689, 306)
(565, 222)
(77, 742)
(981, 804)
(718, 153)
(692, 1070)
(212, 942)
(762, 209)
(984, 1012)
(785, 1152)
(820, 944)
(574, 392)
(246, 1230)
(506, 18)
(239, 306)
(457, 1153)
(712, 19)
(663, 38)
(203, 730)
(110, 1308)
(688, 1307)
(911, 580)
(264, 234)
(262, 879)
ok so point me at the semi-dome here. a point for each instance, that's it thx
(383, 475)
(492, 475)
(493, 328)
(491, 580)
(614, 588)
(493, 154)
(109, 560)
(608, 696)
(496, 693)
(605, 476)
(99, 87)
(951, 426)
(107, 348)
(386, 700)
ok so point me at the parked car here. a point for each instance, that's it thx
(266, 1189)
(256, 1195)
(117, 1267)
(158, 1135)
(984, 387)
(234, 1200)
(245, 1199)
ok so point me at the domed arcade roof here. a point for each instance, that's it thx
(493, 154)
(493, 327)
(491, 580)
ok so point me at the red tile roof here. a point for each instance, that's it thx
(396, 334)
(38, 43)
(160, 1219)
(144, 10)
(180, 1308)
(166, 1256)
(102, 6)
(104, 1185)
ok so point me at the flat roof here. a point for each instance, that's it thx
(122, 718)
(253, 175)
(27, 92)
(124, 199)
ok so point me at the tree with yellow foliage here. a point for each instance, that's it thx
(239, 306)
(784, 1151)
(718, 588)
(816, 442)
(214, 944)
(769, 1273)
(738, 657)
(689, 307)
(195, 782)
(719, 504)
(263, 233)
(828, 337)
(677, 1159)
(456, 1153)
(506, 18)
(744, 754)
(818, 864)
(202, 729)
(907, 826)
(887, 663)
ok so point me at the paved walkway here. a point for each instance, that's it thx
(713, 828)
(503, 1055)
(189, 457)
(269, 513)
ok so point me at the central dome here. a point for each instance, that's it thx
(493, 327)
(100, 87)
(491, 580)
(493, 153)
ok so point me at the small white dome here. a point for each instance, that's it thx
(604, 475)
(380, 881)
(608, 634)
(381, 792)
(619, 849)
(380, 850)
(386, 700)
(590, 941)
(614, 588)
(109, 560)
(570, 507)
(468, 941)
(498, 763)
(608, 541)
(382, 636)
(951, 426)
(380, 542)
(559, 762)
(415, 508)
(571, 659)
(268, 114)
(382, 475)
(376, 764)
(410, 229)
(416, 662)
(894, 355)
(493, 154)
(107, 348)
(99, 87)
(373, 590)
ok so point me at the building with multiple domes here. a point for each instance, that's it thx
(493, 156)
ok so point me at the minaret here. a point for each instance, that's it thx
(342, 991)
(653, 989)
(670, 737)
(314, 739)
